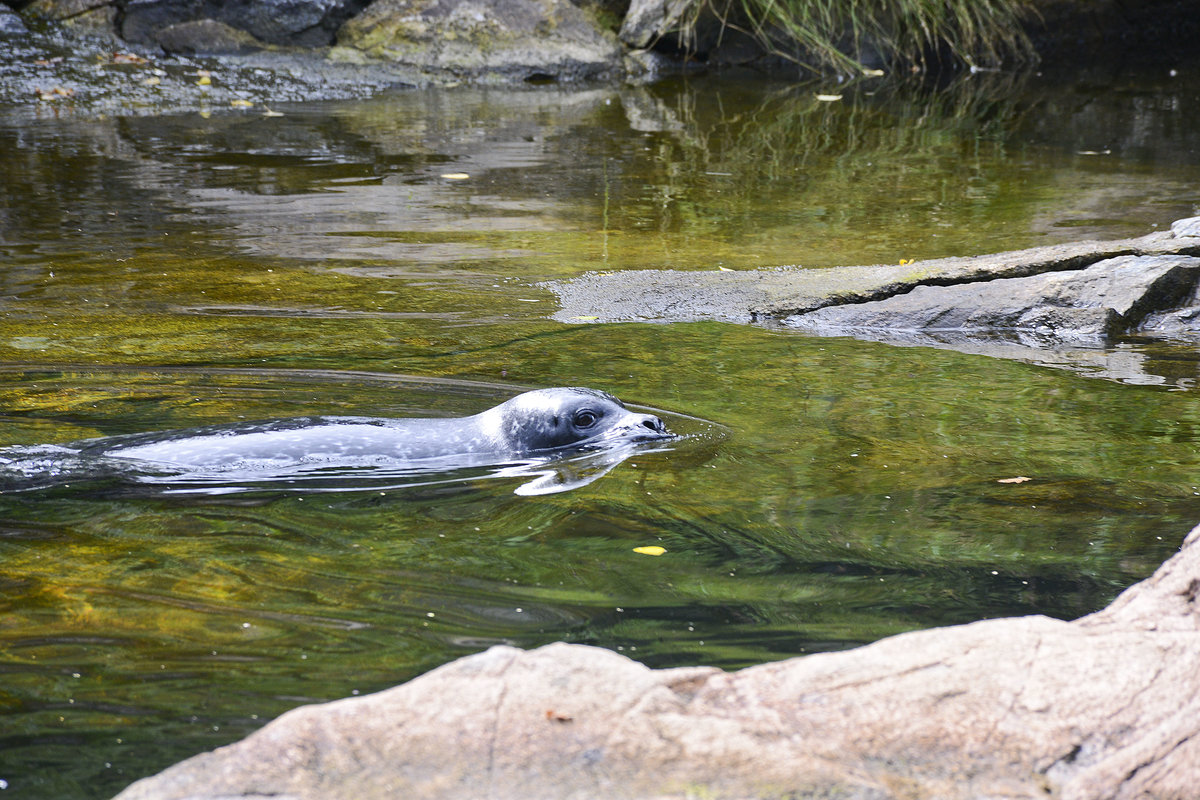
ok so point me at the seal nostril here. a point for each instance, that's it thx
(655, 424)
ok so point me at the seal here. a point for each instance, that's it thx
(543, 422)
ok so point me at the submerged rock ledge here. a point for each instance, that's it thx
(1030, 707)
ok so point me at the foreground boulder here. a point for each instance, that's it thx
(1032, 707)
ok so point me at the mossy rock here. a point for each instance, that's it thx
(510, 39)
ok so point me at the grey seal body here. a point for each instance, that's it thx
(541, 422)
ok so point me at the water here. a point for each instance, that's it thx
(170, 271)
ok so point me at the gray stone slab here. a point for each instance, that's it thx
(763, 295)
(1109, 298)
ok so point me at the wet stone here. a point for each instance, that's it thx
(10, 22)
(1109, 298)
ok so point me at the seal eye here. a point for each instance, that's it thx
(586, 418)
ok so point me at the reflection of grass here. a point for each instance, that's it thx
(841, 35)
(773, 176)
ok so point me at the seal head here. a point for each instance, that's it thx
(552, 419)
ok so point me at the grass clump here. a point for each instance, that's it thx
(850, 35)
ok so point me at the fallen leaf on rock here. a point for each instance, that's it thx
(555, 716)
(128, 58)
(650, 550)
(1018, 479)
(152, 81)
(49, 62)
(55, 93)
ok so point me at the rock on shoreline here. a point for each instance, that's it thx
(513, 40)
(1030, 707)
(1058, 305)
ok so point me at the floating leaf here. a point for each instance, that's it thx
(904, 261)
(241, 103)
(650, 550)
(1018, 479)
(873, 73)
(829, 98)
(455, 176)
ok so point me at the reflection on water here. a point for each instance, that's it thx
(169, 272)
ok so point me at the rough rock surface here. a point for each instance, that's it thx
(304, 23)
(1186, 228)
(206, 36)
(84, 17)
(1106, 706)
(478, 39)
(648, 20)
(776, 293)
(1109, 298)
(10, 22)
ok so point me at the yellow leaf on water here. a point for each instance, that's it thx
(241, 103)
(829, 98)
(904, 261)
(455, 176)
(725, 269)
(1018, 479)
(650, 550)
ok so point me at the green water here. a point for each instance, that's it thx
(168, 271)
